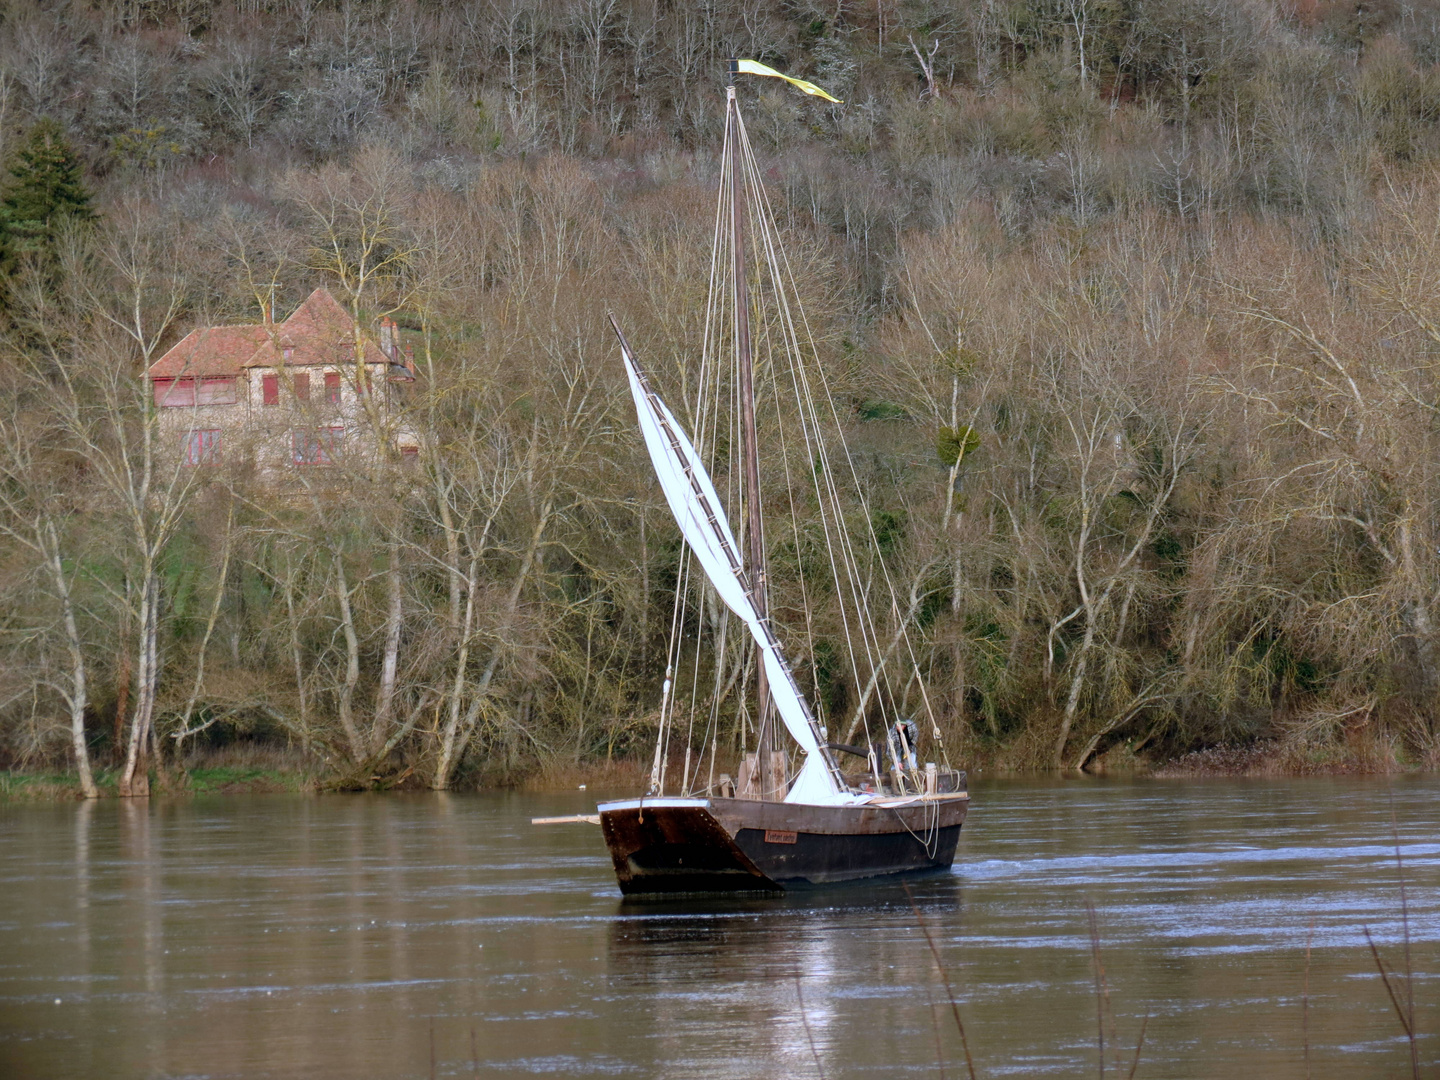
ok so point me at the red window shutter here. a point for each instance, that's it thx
(302, 387)
(270, 389)
(332, 387)
(172, 393)
(217, 391)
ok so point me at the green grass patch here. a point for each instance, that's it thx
(18, 787)
(53, 786)
(44, 786)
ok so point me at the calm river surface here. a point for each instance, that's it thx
(418, 935)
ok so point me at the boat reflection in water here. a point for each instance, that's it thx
(776, 974)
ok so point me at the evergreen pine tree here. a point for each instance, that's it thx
(46, 188)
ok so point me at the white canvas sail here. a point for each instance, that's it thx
(697, 509)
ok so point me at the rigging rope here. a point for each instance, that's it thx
(810, 428)
(869, 662)
(777, 250)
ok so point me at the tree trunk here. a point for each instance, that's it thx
(77, 695)
(145, 706)
(134, 778)
(394, 623)
(452, 555)
(352, 664)
(122, 696)
(446, 762)
(184, 732)
(448, 759)
(1072, 700)
(295, 652)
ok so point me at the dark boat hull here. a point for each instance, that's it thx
(671, 845)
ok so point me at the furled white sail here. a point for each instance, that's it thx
(698, 511)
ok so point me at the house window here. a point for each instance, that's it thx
(270, 389)
(409, 455)
(317, 446)
(332, 387)
(289, 353)
(302, 387)
(202, 447)
(216, 391)
(171, 393)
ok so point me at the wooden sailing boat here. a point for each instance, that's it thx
(765, 830)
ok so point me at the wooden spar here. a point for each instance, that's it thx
(749, 447)
(569, 819)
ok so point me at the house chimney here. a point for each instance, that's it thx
(410, 360)
(387, 337)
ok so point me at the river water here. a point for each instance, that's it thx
(419, 935)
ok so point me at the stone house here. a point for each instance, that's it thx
(285, 395)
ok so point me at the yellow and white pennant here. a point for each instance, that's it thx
(751, 67)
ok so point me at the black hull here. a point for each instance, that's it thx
(737, 845)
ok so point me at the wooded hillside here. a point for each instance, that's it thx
(1133, 309)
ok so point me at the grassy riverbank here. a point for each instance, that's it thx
(235, 771)
(251, 770)
(260, 770)
(59, 787)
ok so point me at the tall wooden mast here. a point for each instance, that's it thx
(749, 446)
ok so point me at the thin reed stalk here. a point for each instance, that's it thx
(809, 1035)
(945, 977)
(1103, 1007)
(1403, 1004)
(1405, 939)
(1101, 992)
(935, 1029)
(1388, 978)
(1305, 1000)
(1135, 1061)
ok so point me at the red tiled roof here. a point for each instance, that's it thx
(318, 332)
(210, 350)
(320, 314)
